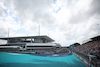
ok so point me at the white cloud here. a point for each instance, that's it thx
(66, 21)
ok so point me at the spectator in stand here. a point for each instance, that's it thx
(92, 47)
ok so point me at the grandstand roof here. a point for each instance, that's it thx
(96, 38)
(25, 37)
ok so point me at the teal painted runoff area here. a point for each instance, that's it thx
(25, 60)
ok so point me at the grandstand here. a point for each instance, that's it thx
(29, 43)
(89, 51)
(91, 47)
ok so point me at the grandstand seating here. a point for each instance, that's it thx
(92, 47)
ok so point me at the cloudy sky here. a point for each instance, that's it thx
(65, 21)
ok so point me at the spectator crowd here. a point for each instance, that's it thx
(91, 47)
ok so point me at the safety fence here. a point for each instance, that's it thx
(84, 60)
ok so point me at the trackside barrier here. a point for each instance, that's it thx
(46, 52)
(84, 60)
(56, 55)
